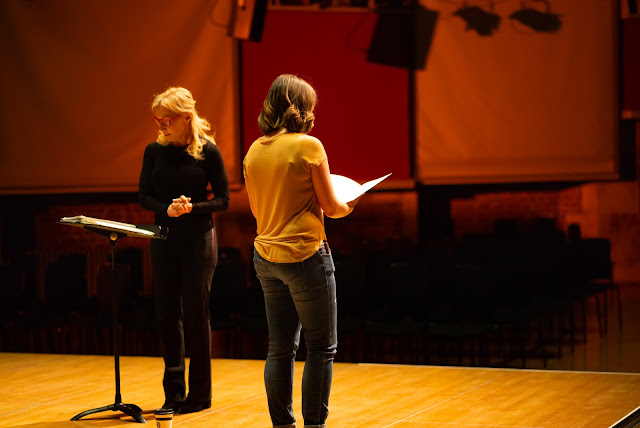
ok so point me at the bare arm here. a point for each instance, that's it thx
(332, 207)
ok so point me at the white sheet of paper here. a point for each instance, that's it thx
(347, 190)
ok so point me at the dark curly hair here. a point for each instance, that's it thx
(289, 105)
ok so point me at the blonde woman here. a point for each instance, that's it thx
(287, 178)
(176, 170)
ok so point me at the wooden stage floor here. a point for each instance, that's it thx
(47, 390)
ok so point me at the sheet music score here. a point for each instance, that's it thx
(347, 190)
(92, 221)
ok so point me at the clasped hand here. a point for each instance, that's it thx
(181, 205)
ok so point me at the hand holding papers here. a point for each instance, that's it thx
(347, 190)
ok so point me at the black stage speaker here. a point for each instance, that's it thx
(402, 37)
(247, 19)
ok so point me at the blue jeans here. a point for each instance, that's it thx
(299, 295)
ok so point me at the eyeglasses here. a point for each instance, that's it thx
(165, 121)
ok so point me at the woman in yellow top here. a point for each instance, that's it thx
(288, 181)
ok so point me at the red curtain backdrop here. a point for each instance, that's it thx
(507, 103)
(362, 116)
(514, 105)
(631, 63)
(78, 78)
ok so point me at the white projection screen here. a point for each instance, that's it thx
(511, 91)
(78, 78)
(518, 91)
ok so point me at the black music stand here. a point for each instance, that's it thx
(113, 231)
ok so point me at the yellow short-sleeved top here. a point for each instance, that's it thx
(277, 172)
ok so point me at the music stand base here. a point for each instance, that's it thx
(130, 409)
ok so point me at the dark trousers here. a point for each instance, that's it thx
(183, 267)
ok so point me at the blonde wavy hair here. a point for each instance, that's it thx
(180, 100)
(289, 105)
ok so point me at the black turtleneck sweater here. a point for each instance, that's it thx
(169, 171)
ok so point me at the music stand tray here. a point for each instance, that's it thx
(113, 231)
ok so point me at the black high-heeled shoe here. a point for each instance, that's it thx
(192, 406)
(174, 405)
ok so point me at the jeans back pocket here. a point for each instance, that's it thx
(327, 262)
